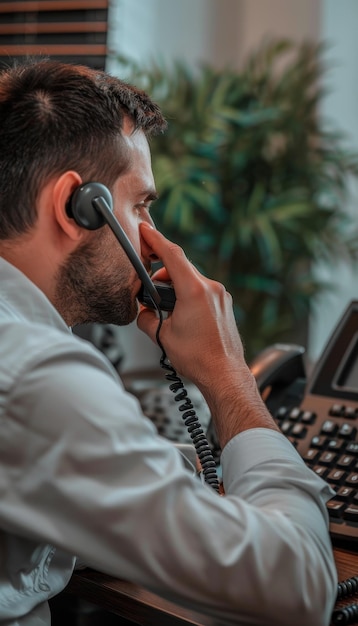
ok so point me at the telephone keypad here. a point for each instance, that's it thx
(327, 442)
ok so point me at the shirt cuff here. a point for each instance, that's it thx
(255, 446)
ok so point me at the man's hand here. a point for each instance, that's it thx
(202, 341)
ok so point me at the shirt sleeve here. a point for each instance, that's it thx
(87, 472)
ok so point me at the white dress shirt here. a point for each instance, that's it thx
(83, 472)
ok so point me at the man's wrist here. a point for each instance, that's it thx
(236, 406)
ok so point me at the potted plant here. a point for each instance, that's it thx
(252, 183)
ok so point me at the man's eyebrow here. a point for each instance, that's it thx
(150, 195)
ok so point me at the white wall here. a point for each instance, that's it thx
(165, 30)
(220, 32)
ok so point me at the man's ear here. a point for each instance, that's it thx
(61, 194)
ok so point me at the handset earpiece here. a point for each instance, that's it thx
(91, 206)
(80, 205)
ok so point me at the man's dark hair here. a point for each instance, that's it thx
(56, 117)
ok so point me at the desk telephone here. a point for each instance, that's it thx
(320, 415)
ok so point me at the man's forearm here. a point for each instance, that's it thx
(236, 405)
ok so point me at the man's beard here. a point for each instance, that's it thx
(85, 294)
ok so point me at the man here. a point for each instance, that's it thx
(83, 472)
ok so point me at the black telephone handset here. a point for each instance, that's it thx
(166, 293)
(278, 365)
(280, 374)
(319, 415)
(91, 206)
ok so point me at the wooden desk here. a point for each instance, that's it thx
(141, 606)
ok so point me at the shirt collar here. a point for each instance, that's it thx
(25, 299)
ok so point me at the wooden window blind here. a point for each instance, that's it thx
(68, 30)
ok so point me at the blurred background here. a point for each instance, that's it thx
(258, 171)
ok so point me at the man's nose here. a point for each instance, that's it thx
(146, 251)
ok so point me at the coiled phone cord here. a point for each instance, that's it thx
(189, 416)
(347, 614)
(347, 587)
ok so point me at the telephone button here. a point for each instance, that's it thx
(350, 412)
(347, 431)
(337, 410)
(351, 513)
(327, 458)
(335, 444)
(335, 508)
(336, 476)
(311, 455)
(329, 427)
(346, 461)
(286, 427)
(320, 470)
(352, 479)
(352, 447)
(344, 493)
(299, 431)
(281, 413)
(308, 417)
(318, 441)
(294, 414)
